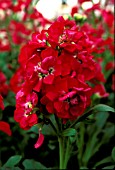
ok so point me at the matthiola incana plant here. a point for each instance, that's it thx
(58, 76)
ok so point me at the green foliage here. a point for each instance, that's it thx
(69, 132)
(30, 164)
(113, 154)
(96, 109)
(98, 134)
(12, 161)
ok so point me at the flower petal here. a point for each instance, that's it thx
(5, 128)
(40, 140)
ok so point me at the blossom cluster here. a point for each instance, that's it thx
(4, 88)
(60, 74)
(17, 22)
(4, 126)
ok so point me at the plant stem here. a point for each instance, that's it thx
(54, 128)
(61, 152)
(67, 153)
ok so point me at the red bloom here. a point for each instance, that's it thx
(24, 113)
(60, 68)
(113, 82)
(39, 17)
(3, 86)
(68, 98)
(18, 36)
(1, 103)
(110, 65)
(5, 128)
(17, 80)
(5, 4)
(100, 90)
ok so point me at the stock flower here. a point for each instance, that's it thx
(67, 98)
(61, 70)
(24, 113)
(23, 31)
(17, 80)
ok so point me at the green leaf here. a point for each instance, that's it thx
(12, 161)
(91, 144)
(30, 164)
(103, 108)
(95, 109)
(34, 129)
(10, 168)
(101, 119)
(109, 167)
(47, 130)
(69, 132)
(89, 121)
(108, 132)
(113, 153)
(103, 161)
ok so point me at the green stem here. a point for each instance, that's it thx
(61, 152)
(67, 155)
(54, 128)
(57, 121)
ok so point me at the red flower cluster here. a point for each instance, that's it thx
(19, 20)
(3, 85)
(24, 113)
(60, 69)
(3, 125)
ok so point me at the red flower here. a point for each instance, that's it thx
(110, 65)
(3, 86)
(100, 90)
(5, 128)
(39, 17)
(67, 98)
(18, 36)
(5, 4)
(24, 113)
(113, 82)
(60, 68)
(1, 103)
(17, 80)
